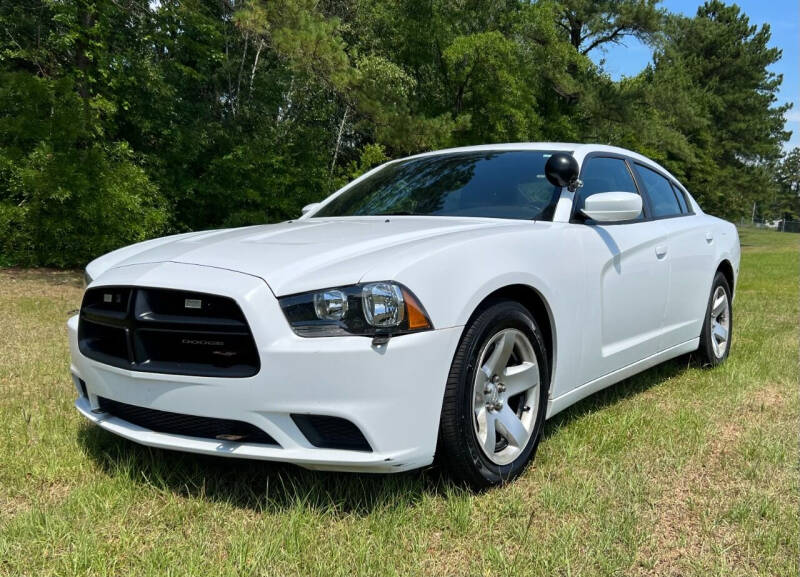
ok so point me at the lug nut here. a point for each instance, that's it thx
(501, 388)
(487, 389)
(496, 379)
(498, 405)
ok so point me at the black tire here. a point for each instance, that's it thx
(459, 450)
(706, 351)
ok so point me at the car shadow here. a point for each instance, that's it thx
(261, 486)
(266, 487)
(618, 392)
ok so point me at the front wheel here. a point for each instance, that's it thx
(496, 397)
(715, 339)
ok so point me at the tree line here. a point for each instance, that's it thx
(121, 120)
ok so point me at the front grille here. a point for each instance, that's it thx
(331, 432)
(166, 331)
(187, 425)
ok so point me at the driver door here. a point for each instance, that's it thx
(626, 276)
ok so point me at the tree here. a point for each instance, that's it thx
(711, 84)
(589, 24)
(786, 202)
(69, 190)
(124, 119)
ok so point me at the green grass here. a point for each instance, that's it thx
(677, 471)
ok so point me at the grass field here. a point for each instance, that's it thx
(678, 471)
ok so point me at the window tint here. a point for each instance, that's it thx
(662, 197)
(507, 184)
(601, 174)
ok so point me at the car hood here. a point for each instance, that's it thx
(316, 253)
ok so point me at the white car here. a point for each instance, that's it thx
(447, 303)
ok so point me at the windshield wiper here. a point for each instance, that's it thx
(398, 213)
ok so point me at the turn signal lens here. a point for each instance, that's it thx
(417, 318)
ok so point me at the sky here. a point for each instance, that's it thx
(783, 17)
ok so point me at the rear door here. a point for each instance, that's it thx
(626, 275)
(690, 255)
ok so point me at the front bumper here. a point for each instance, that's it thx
(393, 393)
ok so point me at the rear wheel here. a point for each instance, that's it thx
(715, 339)
(495, 399)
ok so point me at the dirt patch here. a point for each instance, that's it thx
(49, 276)
(768, 398)
(11, 506)
(28, 283)
(47, 494)
(688, 534)
(679, 535)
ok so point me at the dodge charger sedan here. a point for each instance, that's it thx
(443, 305)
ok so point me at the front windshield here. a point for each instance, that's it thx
(494, 184)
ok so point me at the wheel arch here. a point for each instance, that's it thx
(537, 305)
(726, 268)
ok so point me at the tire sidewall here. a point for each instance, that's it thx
(501, 316)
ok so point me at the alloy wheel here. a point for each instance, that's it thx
(720, 322)
(505, 395)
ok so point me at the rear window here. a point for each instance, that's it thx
(659, 190)
(681, 199)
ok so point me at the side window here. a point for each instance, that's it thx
(662, 198)
(601, 174)
(681, 199)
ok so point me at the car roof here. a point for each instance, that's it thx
(577, 149)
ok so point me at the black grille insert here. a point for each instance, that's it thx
(331, 432)
(167, 331)
(187, 425)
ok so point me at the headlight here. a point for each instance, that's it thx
(383, 304)
(330, 305)
(371, 309)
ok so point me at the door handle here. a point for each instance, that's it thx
(709, 237)
(661, 251)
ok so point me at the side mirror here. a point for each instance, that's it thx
(309, 207)
(561, 169)
(612, 206)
